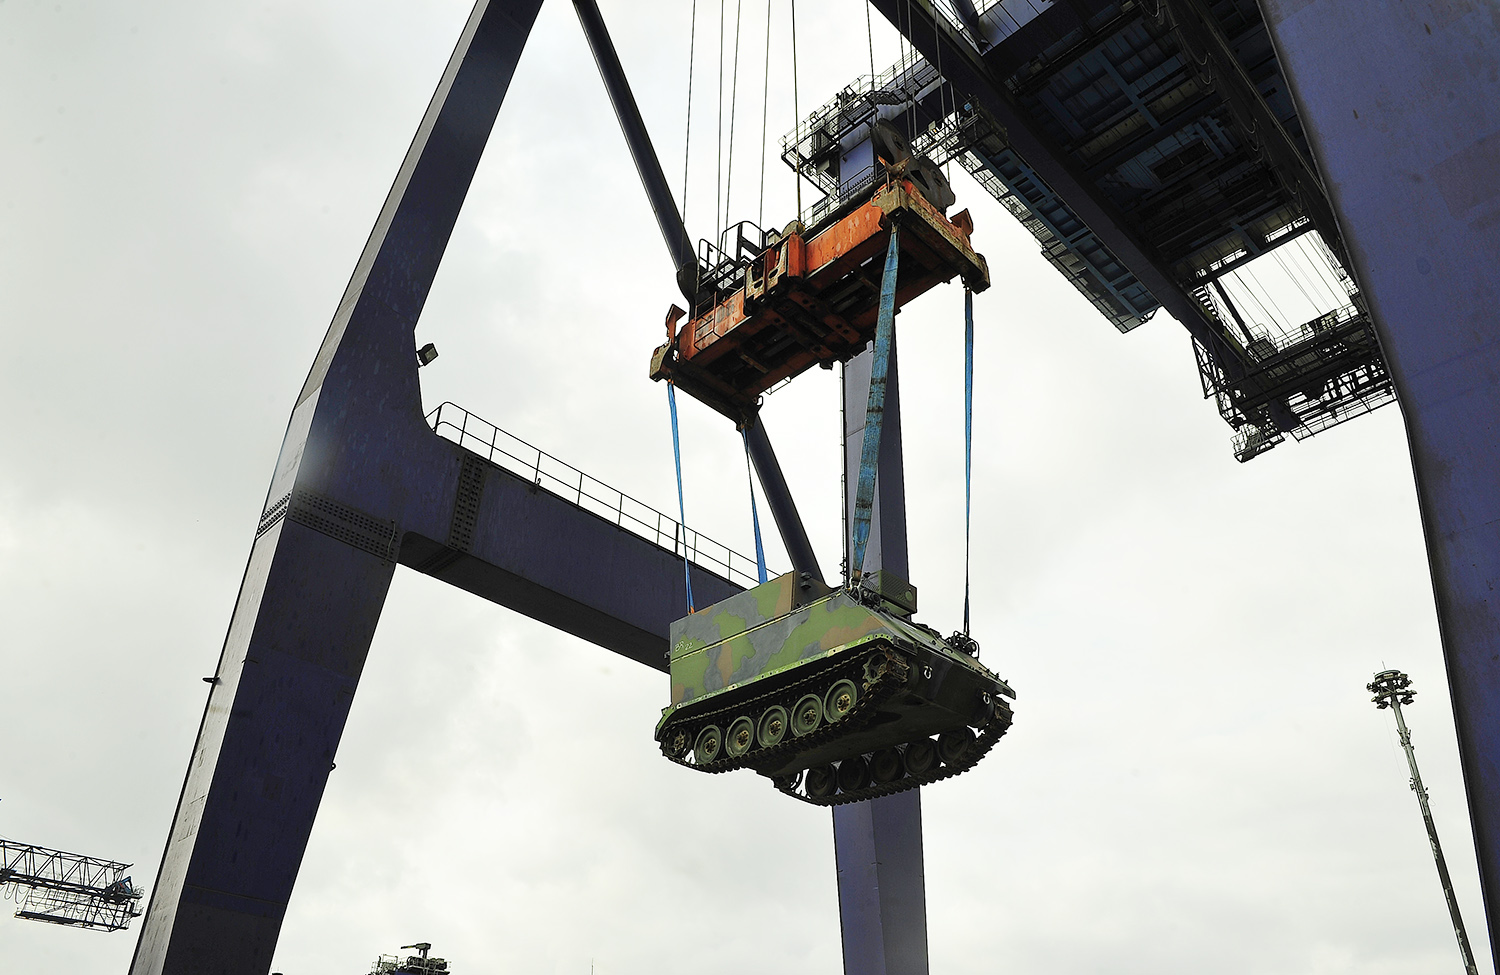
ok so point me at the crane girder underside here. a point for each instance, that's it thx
(1151, 150)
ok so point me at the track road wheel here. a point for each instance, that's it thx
(740, 737)
(921, 756)
(677, 743)
(807, 715)
(706, 748)
(955, 746)
(773, 725)
(822, 781)
(840, 700)
(885, 766)
(854, 774)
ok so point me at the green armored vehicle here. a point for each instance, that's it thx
(837, 696)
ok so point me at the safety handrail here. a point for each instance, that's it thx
(453, 422)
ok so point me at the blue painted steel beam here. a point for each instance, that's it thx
(779, 499)
(1401, 104)
(543, 556)
(361, 483)
(647, 165)
(878, 843)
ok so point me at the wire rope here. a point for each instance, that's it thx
(687, 137)
(1327, 274)
(1250, 299)
(765, 102)
(947, 98)
(734, 97)
(797, 117)
(870, 41)
(1280, 317)
(1287, 269)
(719, 164)
(914, 89)
(1301, 262)
(1340, 276)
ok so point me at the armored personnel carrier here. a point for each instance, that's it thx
(835, 695)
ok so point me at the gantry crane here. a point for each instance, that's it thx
(67, 888)
(362, 485)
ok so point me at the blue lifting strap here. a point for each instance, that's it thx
(687, 572)
(760, 549)
(869, 454)
(968, 439)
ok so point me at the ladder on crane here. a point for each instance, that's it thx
(66, 888)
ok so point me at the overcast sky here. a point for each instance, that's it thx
(1195, 780)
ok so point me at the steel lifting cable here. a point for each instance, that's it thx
(687, 136)
(765, 101)
(797, 120)
(908, 58)
(1307, 272)
(1250, 298)
(1321, 271)
(1279, 318)
(870, 42)
(946, 96)
(760, 548)
(687, 566)
(734, 97)
(869, 454)
(719, 140)
(1286, 269)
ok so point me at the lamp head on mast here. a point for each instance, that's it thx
(1390, 687)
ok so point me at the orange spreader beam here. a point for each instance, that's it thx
(806, 302)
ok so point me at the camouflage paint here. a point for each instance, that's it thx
(758, 633)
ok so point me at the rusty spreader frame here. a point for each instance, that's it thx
(811, 300)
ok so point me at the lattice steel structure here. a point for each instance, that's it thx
(66, 888)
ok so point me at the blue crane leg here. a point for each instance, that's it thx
(361, 483)
(878, 843)
(307, 610)
(1401, 104)
(322, 563)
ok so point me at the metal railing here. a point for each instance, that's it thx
(453, 422)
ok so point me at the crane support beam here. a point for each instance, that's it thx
(543, 556)
(934, 38)
(361, 484)
(1403, 115)
(673, 232)
(779, 498)
(878, 843)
